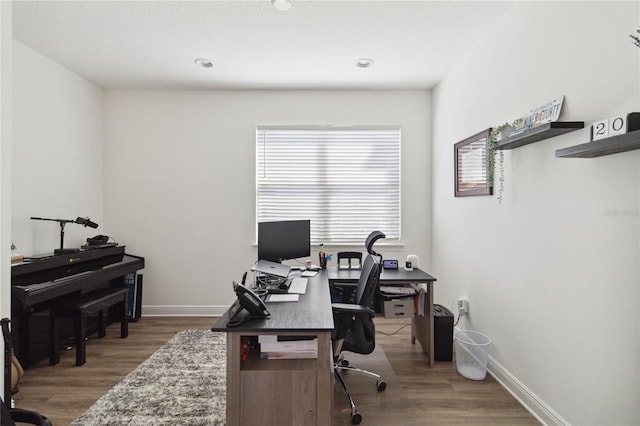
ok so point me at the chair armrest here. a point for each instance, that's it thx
(350, 308)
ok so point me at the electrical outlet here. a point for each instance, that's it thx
(463, 306)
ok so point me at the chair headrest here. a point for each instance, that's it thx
(371, 239)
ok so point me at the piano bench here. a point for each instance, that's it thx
(78, 308)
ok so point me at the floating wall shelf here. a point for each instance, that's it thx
(539, 133)
(611, 145)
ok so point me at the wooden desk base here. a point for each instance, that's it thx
(279, 392)
(422, 328)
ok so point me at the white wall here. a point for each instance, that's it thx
(180, 180)
(57, 152)
(5, 165)
(552, 273)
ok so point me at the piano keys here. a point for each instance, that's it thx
(37, 283)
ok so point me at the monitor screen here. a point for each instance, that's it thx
(282, 240)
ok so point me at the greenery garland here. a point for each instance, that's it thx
(493, 153)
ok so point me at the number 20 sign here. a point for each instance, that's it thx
(615, 126)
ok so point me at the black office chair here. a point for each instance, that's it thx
(11, 416)
(355, 331)
(371, 240)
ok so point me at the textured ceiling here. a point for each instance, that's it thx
(314, 45)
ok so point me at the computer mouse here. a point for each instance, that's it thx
(283, 286)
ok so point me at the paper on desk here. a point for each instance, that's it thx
(389, 289)
(308, 273)
(283, 298)
(272, 348)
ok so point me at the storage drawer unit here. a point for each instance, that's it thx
(398, 308)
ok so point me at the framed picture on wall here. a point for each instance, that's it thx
(471, 166)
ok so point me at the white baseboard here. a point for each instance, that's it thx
(183, 311)
(540, 410)
(529, 400)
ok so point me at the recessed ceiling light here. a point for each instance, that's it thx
(281, 4)
(203, 62)
(364, 62)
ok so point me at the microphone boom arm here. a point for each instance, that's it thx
(82, 221)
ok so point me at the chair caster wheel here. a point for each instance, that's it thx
(356, 418)
(344, 363)
(381, 385)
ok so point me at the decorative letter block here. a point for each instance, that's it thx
(615, 126)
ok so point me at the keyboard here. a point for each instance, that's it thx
(298, 285)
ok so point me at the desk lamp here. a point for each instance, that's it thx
(80, 220)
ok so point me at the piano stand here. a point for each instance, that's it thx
(45, 280)
(79, 308)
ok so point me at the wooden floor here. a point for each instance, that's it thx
(415, 395)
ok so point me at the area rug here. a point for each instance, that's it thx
(183, 383)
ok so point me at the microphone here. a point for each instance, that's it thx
(86, 222)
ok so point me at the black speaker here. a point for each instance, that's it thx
(442, 333)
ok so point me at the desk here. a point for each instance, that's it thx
(421, 327)
(283, 391)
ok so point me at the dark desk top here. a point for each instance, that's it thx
(312, 312)
(387, 276)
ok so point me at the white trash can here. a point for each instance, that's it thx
(472, 353)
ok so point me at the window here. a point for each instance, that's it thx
(346, 180)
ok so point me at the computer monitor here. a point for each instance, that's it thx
(282, 240)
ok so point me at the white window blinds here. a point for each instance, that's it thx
(472, 167)
(346, 180)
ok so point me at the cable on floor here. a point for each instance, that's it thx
(395, 332)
